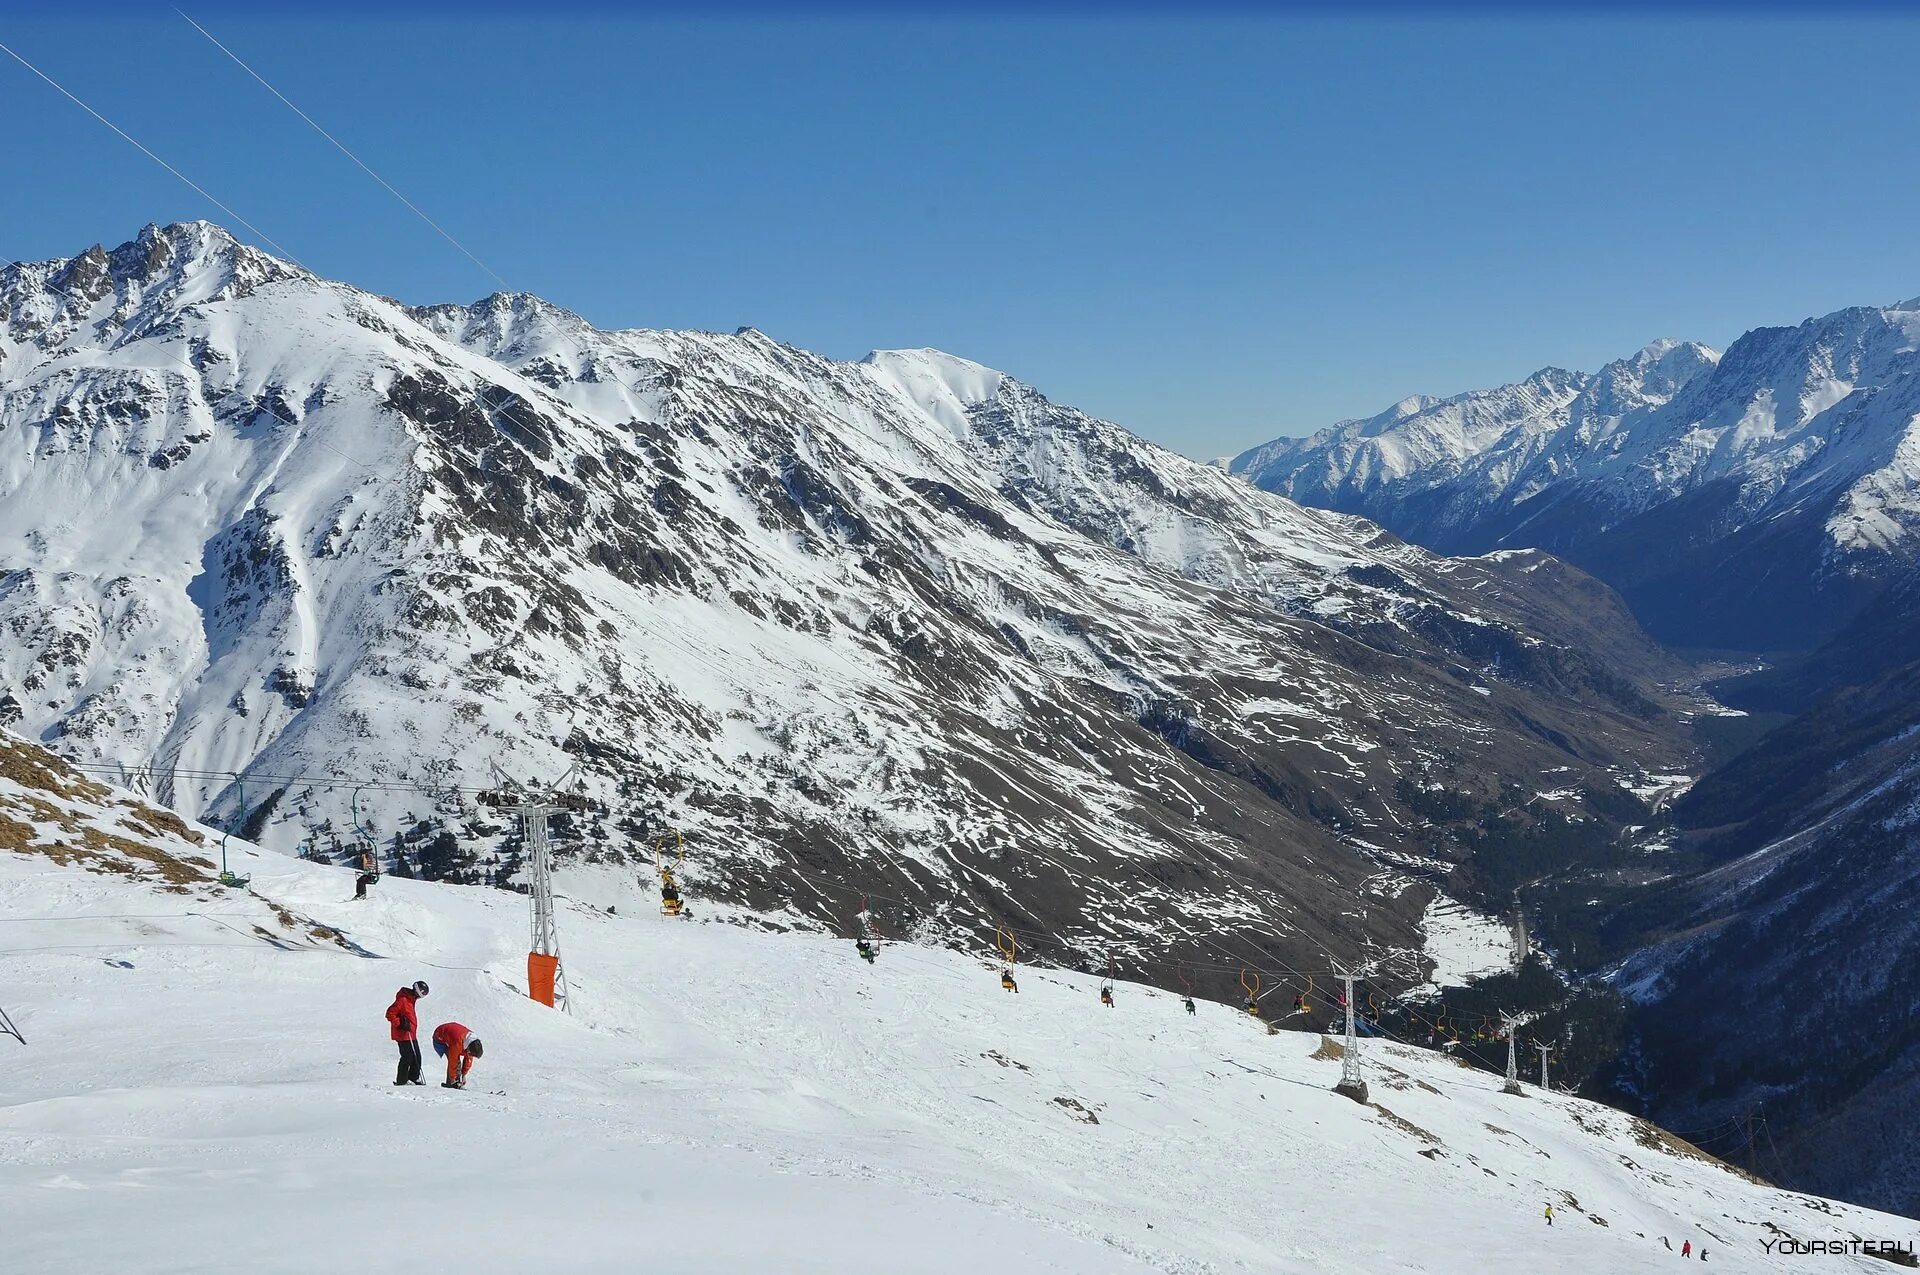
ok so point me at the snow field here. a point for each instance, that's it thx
(1464, 944)
(195, 1098)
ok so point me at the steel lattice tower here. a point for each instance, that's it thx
(534, 806)
(546, 935)
(1352, 1082)
(1507, 1023)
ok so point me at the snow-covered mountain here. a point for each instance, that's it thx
(205, 1085)
(900, 626)
(1752, 500)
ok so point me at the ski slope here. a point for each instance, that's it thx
(205, 1087)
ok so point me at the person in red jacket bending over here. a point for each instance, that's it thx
(403, 1023)
(459, 1047)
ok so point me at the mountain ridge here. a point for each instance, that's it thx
(1680, 477)
(903, 622)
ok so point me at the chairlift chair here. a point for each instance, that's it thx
(1009, 948)
(670, 901)
(229, 878)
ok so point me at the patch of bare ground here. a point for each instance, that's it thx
(1079, 1110)
(104, 853)
(63, 835)
(1405, 1125)
(36, 822)
(1653, 1137)
(1394, 1078)
(153, 822)
(1592, 1123)
(175, 872)
(15, 835)
(36, 768)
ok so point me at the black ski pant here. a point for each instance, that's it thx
(409, 1062)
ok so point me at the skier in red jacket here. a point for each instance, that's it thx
(403, 1023)
(459, 1047)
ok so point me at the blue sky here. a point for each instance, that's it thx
(1213, 229)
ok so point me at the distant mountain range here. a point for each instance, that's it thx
(1753, 500)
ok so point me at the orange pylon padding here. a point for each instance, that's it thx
(541, 972)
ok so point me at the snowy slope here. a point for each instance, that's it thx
(902, 624)
(1753, 499)
(198, 1095)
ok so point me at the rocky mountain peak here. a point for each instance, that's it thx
(498, 321)
(145, 280)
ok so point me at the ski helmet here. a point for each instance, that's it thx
(473, 1047)
(420, 988)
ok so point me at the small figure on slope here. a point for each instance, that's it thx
(403, 1025)
(459, 1047)
(1549, 1215)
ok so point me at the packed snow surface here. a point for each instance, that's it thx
(206, 1087)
